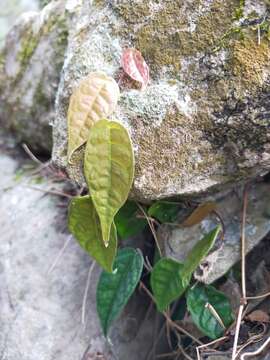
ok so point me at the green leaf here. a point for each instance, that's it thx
(166, 282)
(84, 224)
(114, 290)
(126, 220)
(109, 170)
(198, 253)
(165, 211)
(198, 299)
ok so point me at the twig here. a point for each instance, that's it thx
(243, 273)
(86, 290)
(215, 314)
(53, 192)
(257, 352)
(258, 296)
(31, 155)
(198, 348)
(61, 252)
(171, 322)
(151, 227)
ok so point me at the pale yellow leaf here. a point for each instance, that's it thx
(95, 98)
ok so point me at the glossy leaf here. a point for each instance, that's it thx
(200, 213)
(165, 211)
(114, 290)
(166, 282)
(198, 253)
(209, 319)
(84, 224)
(109, 170)
(95, 98)
(127, 221)
(135, 66)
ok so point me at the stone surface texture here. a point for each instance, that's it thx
(41, 306)
(203, 121)
(179, 241)
(30, 67)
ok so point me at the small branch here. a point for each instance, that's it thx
(53, 192)
(86, 290)
(172, 323)
(215, 314)
(258, 296)
(151, 227)
(257, 352)
(60, 254)
(31, 155)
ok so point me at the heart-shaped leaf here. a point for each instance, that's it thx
(166, 282)
(210, 310)
(165, 211)
(126, 220)
(114, 290)
(198, 253)
(201, 212)
(84, 224)
(135, 66)
(95, 98)
(109, 170)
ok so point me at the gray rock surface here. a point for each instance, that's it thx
(41, 310)
(202, 123)
(179, 241)
(30, 66)
(9, 12)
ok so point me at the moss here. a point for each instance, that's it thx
(175, 150)
(28, 46)
(239, 11)
(248, 62)
(163, 35)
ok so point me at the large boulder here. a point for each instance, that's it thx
(30, 67)
(203, 121)
(41, 297)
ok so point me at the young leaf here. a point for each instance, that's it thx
(135, 66)
(109, 170)
(83, 223)
(95, 98)
(166, 282)
(164, 211)
(114, 290)
(198, 253)
(199, 213)
(210, 310)
(126, 220)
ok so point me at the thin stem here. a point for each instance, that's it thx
(151, 227)
(257, 352)
(172, 323)
(86, 290)
(60, 254)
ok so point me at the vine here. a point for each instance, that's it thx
(96, 220)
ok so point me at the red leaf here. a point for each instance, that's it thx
(135, 66)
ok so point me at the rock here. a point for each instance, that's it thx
(30, 66)
(203, 121)
(41, 310)
(179, 241)
(10, 10)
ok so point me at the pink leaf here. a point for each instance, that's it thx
(135, 66)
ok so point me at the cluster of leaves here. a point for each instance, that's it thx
(96, 220)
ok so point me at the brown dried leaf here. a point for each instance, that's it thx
(95, 98)
(201, 212)
(258, 316)
(135, 66)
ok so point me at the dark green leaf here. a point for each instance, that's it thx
(165, 211)
(84, 224)
(126, 220)
(198, 253)
(166, 282)
(198, 299)
(114, 290)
